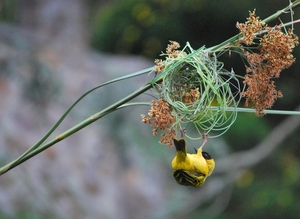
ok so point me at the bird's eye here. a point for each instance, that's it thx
(206, 155)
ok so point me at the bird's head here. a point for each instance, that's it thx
(208, 158)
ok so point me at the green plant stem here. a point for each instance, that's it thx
(75, 128)
(42, 140)
(37, 148)
(234, 39)
(287, 9)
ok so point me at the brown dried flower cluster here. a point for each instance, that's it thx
(172, 48)
(161, 118)
(172, 52)
(249, 29)
(191, 96)
(275, 48)
(159, 66)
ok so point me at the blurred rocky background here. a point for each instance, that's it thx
(52, 51)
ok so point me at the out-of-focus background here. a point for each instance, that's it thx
(52, 51)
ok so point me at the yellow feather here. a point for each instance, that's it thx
(191, 169)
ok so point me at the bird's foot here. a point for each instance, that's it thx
(204, 137)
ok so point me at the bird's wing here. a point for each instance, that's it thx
(188, 178)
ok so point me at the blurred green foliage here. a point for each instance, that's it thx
(7, 10)
(145, 27)
(244, 138)
(270, 190)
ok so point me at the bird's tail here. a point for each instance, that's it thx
(180, 145)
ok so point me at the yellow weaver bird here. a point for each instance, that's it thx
(191, 169)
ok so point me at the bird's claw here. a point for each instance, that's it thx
(204, 137)
(182, 132)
